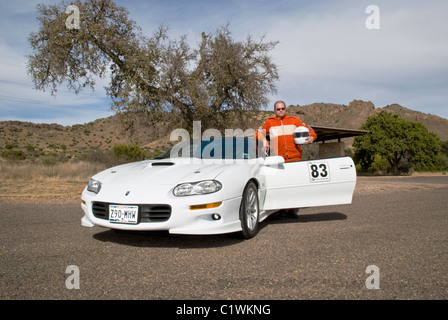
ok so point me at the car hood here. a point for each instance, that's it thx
(161, 172)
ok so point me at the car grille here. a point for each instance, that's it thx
(147, 212)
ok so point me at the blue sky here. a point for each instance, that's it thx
(325, 52)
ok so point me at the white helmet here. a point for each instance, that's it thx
(300, 134)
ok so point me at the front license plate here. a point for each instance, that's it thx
(123, 214)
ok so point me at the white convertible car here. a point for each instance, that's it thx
(212, 187)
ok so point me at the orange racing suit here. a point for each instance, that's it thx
(280, 133)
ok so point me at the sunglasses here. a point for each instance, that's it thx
(278, 109)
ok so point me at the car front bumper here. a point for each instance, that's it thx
(183, 220)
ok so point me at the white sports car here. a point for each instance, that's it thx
(215, 186)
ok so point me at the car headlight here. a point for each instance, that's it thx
(94, 186)
(196, 188)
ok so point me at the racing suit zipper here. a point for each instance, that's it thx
(284, 139)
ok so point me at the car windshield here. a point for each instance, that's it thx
(215, 148)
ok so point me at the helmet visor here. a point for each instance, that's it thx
(303, 134)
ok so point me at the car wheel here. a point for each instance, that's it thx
(249, 211)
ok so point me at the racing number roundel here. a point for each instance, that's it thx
(319, 171)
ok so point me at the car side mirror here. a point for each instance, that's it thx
(273, 161)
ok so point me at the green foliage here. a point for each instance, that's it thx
(128, 152)
(379, 165)
(443, 161)
(14, 155)
(444, 146)
(397, 145)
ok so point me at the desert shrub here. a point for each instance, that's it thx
(97, 156)
(14, 155)
(128, 152)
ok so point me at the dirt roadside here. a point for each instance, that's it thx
(44, 191)
(376, 185)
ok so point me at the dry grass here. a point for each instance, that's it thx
(31, 181)
(74, 171)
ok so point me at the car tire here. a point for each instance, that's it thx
(249, 211)
(295, 213)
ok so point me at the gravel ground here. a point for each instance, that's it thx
(396, 224)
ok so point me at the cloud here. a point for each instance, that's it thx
(329, 54)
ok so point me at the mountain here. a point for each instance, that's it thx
(356, 113)
(33, 140)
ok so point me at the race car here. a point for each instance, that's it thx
(215, 186)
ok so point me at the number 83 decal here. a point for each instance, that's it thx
(319, 171)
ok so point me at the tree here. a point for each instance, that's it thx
(152, 78)
(399, 142)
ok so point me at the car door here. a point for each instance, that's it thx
(309, 183)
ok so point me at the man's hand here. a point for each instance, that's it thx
(309, 140)
(266, 146)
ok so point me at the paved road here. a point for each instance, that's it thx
(322, 255)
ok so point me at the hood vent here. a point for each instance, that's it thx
(162, 164)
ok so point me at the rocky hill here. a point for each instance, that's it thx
(37, 141)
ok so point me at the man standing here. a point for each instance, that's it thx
(279, 130)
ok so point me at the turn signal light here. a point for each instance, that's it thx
(205, 206)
